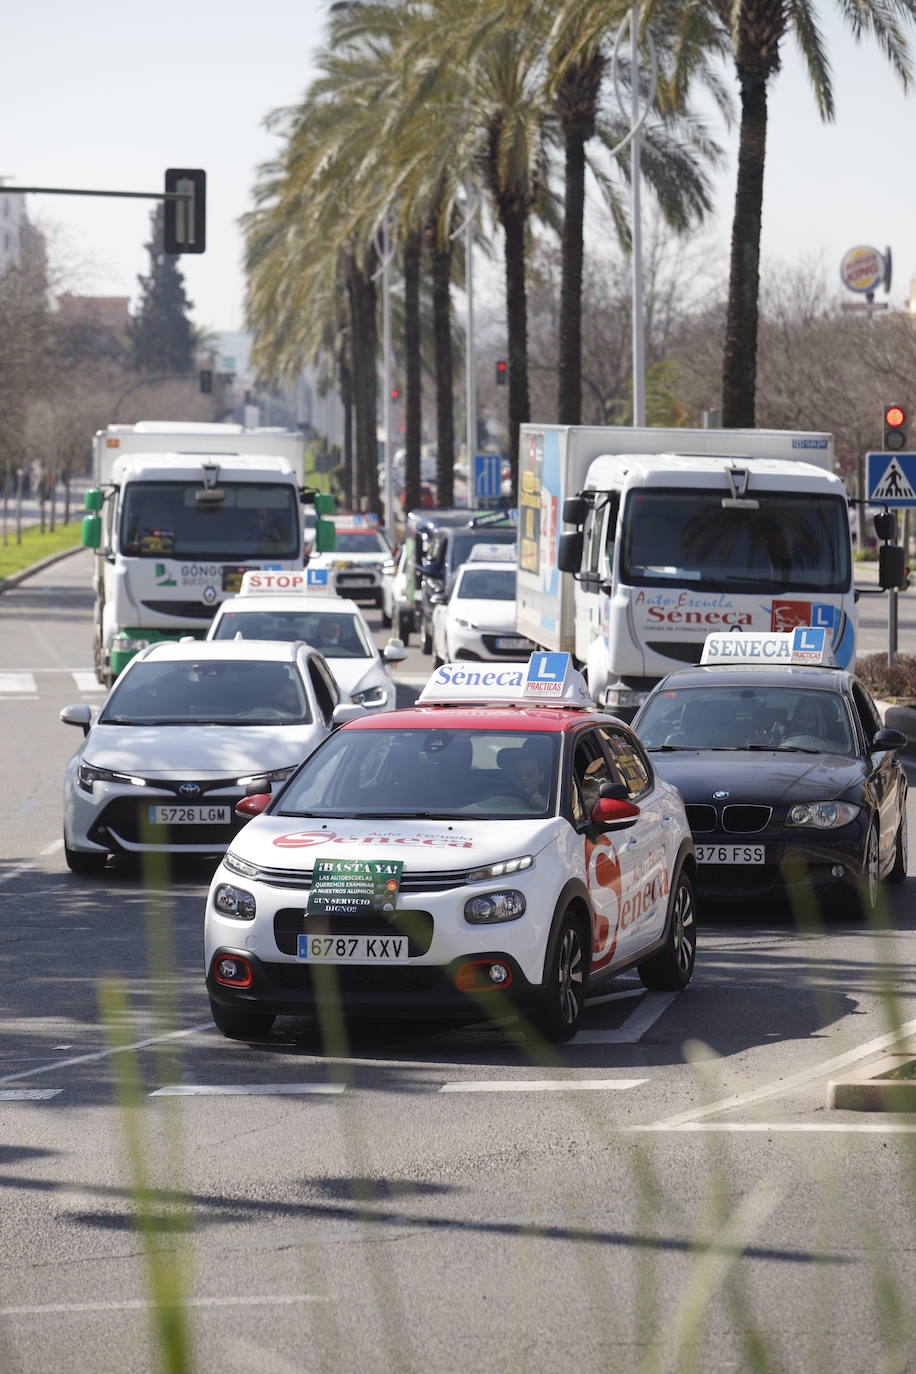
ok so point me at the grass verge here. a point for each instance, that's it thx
(35, 545)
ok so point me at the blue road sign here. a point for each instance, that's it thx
(892, 478)
(487, 469)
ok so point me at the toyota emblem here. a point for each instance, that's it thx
(188, 789)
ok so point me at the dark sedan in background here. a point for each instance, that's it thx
(794, 790)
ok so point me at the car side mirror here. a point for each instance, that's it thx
(614, 813)
(394, 651)
(253, 805)
(345, 711)
(888, 739)
(80, 714)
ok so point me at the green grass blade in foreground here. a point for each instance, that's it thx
(166, 1274)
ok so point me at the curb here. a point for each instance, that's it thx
(7, 583)
(867, 1091)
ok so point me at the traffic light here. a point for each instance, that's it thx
(894, 428)
(502, 370)
(206, 380)
(395, 394)
(185, 220)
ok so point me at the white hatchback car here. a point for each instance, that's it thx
(355, 564)
(183, 733)
(501, 847)
(478, 619)
(333, 625)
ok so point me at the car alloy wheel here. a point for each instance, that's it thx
(672, 967)
(901, 850)
(560, 1009)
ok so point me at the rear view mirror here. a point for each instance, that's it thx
(888, 739)
(80, 715)
(346, 711)
(252, 806)
(394, 651)
(614, 812)
(569, 554)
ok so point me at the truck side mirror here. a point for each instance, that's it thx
(574, 510)
(891, 566)
(92, 531)
(94, 499)
(569, 553)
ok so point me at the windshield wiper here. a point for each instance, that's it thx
(410, 815)
(797, 749)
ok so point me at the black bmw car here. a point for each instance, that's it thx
(794, 790)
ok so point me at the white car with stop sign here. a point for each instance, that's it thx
(380, 858)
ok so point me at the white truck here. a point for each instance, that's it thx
(678, 532)
(178, 513)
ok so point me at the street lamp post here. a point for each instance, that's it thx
(471, 206)
(385, 250)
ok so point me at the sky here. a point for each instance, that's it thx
(106, 95)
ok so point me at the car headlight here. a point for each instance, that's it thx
(823, 815)
(370, 696)
(87, 774)
(500, 870)
(241, 866)
(465, 624)
(493, 907)
(234, 901)
(278, 775)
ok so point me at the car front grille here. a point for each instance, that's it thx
(185, 610)
(125, 819)
(701, 819)
(300, 880)
(291, 922)
(745, 820)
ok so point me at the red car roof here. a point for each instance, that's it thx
(546, 718)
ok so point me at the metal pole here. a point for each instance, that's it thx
(891, 625)
(639, 361)
(386, 369)
(470, 355)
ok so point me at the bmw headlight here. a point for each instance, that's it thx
(278, 775)
(241, 866)
(87, 774)
(234, 901)
(493, 907)
(823, 815)
(371, 696)
(500, 870)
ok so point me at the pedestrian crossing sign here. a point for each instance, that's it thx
(892, 478)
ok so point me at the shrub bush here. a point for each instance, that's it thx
(885, 682)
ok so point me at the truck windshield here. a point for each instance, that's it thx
(253, 520)
(677, 536)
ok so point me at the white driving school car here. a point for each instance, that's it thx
(378, 875)
(185, 730)
(289, 606)
(478, 619)
(355, 563)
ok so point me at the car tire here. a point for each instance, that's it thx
(672, 967)
(83, 862)
(558, 1013)
(901, 849)
(240, 1025)
(865, 898)
(437, 661)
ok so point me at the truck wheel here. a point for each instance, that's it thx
(671, 968)
(240, 1025)
(559, 1011)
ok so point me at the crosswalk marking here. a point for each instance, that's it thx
(87, 682)
(27, 1094)
(19, 683)
(244, 1089)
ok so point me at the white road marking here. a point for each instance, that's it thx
(788, 1127)
(52, 848)
(654, 1005)
(542, 1085)
(784, 1085)
(616, 996)
(145, 1304)
(105, 1054)
(14, 873)
(87, 682)
(245, 1089)
(18, 682)
(27, 1094)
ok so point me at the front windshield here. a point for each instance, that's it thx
(208, 692)
(736, 717)
(253, 520)
(686, 536)
(434, 773)
(335, 634)
(486, 584)
(359, 541)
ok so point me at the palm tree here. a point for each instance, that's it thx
(752, 31)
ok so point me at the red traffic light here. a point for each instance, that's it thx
(894, 417)
(394, 393)
(502, 368)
